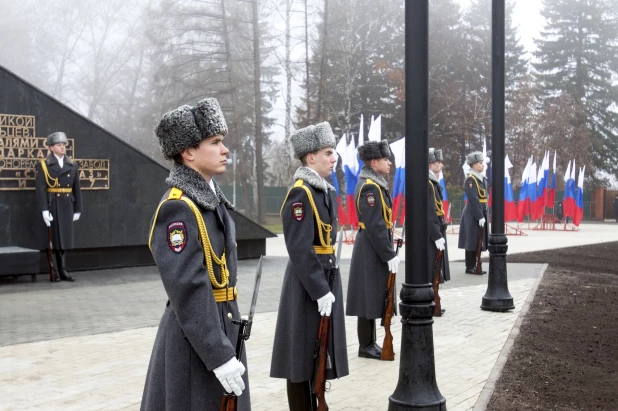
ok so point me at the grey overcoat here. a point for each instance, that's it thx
(474, 210)
(61, 206)
(437, 229)
(305, 280)
(373, 248)
(195, 334)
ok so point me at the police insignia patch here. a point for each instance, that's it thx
(371, 199)
(298, 211)
(177, 236)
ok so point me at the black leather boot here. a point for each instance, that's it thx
(301, 396)
(62, 267)
(471, 263)
(367, 339)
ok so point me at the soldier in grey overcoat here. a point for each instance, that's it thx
(373, 256)
(193, 360)
(435, 209)
(59, 199)
(311, 284)
(474, 214)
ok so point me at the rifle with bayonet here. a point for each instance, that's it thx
(50, 255)
(388, 353)
(229, 402)
(437, 268)
(479, 247)
(322, 359)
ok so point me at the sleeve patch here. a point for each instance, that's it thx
(298, 211)
(470, 185)
(371, 199)
(177, 236)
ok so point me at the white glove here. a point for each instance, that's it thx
(230, 376)
(393, 265)
(440, 243)
(76, 216)
(482, 222)
(325, 304)
(47, 217)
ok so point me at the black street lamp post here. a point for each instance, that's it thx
(417, 388)
(497, 296)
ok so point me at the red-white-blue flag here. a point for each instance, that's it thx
(340, 149)
(399, 184)
(568, 202)
(578, 214)
(552, 187)
(510, 211)
(445, 202)
(524, 201)
(350, 167)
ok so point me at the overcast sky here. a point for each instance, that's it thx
(528, 19)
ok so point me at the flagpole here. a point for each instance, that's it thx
(417, 388)
(497, 296)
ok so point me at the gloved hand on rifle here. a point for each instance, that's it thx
(325, 304)
(230, 376)
(482, 222)
(393, 265)
(47, 218)
(440, 243)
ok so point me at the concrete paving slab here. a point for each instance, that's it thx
(107, 371)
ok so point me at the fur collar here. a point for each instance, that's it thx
(196, 187)
(312, 178)
(368, 172)
(52, 159)
(433, 177)
(476, 174)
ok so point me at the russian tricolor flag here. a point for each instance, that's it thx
(568, 203)
(552, 187)
(532, 190)
(399, 184)
(578, 215)
(466, 170)
(341, 150)
(524, 201)
(351, 169)
(543, 174)
(510, 211)
(447, 214)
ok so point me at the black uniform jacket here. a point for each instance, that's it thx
(437, 228)
(306, 279)
(62, 206)
(475, 188)
(373, 248)
(195, 334)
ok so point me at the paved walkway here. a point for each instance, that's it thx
(86, 345)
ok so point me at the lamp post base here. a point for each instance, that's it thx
(497, 297)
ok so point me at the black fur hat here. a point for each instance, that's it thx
(312, 138)
(373, 150)
(187, 126)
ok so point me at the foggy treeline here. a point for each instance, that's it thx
(123, 63)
